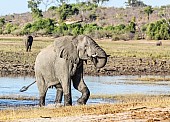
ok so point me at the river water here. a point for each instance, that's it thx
(106, 85)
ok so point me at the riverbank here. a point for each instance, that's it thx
(139, 57)
(140, 108)
(114, 66)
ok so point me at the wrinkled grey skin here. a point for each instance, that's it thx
(28, 42)
(62, 62)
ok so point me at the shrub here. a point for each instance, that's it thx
(158, 30)
(9, 28)
(47, 25)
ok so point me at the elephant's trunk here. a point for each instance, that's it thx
(100, 59)
(100, 62)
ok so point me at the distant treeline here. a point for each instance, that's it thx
(50, 27)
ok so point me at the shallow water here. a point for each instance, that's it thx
(114, 85)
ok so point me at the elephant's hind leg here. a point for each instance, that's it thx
(59, 94)
(42, 87)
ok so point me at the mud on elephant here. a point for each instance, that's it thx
(62, 62)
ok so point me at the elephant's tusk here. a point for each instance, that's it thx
(94, 55)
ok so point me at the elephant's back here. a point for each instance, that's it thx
(45, 56)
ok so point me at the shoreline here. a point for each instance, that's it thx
(115, 66)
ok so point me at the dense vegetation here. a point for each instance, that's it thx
(86, 22)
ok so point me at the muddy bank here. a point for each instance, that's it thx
(132, 66)
(115, 66)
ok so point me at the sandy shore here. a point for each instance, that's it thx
(139, 114)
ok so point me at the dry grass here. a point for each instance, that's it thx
(146, 100)
(138, 48)
(61, 112)
(13, 50)
(127, 102)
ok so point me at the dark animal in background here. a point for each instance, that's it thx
(28, 42)
(158, 43)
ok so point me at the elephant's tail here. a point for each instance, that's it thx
(24, 88)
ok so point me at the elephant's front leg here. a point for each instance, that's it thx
(29, 48)
(79, 84)
(67, 92)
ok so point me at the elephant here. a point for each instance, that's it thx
(61, 63)
(28, 42)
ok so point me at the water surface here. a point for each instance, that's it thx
(113, 85)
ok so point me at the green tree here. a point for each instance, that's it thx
(98, 1)
(2, 23)
(10, 28)
(158, 30)
(66, 10)
(135, 3)
(148, 10)
(33, 5)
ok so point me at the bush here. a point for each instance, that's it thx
(9, 28)
(47, 25)
(158, 30)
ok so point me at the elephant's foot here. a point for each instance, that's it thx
(85, 96)
(67, 100)
(59, 96)
(58, 105)
(42, 101)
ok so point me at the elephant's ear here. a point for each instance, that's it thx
(65, 49)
